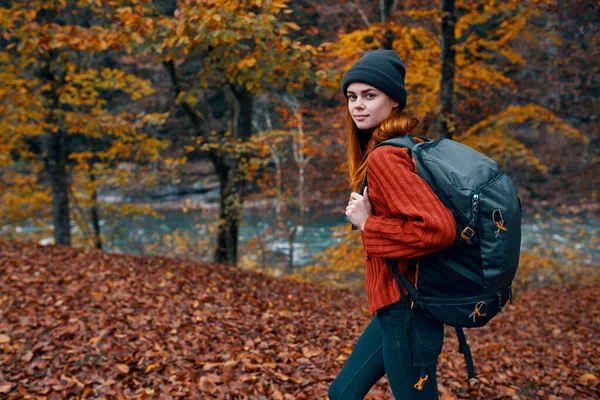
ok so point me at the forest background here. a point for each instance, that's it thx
(212, 131)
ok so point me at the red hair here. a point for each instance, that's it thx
(362, 142)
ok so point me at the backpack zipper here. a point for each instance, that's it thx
(490, 183)
(471, 225)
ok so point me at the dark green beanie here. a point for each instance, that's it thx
(381, 69)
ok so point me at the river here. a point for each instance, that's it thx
(130, 235)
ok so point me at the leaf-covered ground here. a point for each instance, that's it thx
(88, 324)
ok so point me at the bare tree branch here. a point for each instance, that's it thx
(360, 12)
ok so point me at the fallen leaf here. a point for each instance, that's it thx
(569, 391)
(5, 387)
(124, 368)
(214, 378)
(281, 376)
(28, 356)
(206, 385)
(151, 367)
(209, 365)
(588, 376)
(310, 352)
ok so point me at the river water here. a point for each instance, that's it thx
(130, 235)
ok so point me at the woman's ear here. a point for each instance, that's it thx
(395, 104)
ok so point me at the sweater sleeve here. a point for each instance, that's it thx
(411, 221)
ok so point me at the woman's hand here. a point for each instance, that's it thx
(358, 209)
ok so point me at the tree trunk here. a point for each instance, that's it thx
(232, 178)
(56, 158)
(227, 231)
(448, 59)
(387, 9)
(57, 169)
(95, 215)
(289, 266)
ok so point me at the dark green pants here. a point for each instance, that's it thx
(402, 344)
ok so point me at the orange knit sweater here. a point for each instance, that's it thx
(408, 221)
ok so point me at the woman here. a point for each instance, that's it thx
(400, 218)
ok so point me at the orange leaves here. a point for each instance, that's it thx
(29, 109)
(492, 134)
(30, 15)
(154, 332)
(227, 30)
(246, 62)
(345, 257)
(151, 367)
(310, 352)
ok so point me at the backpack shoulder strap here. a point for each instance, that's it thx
(361, 191)
(405, 141)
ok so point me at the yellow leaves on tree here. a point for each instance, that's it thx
(343, 262)
(493, 137)
(529, 113)
(70, 99)
(242, 43)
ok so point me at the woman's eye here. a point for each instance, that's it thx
(352, 97)
(370, 96)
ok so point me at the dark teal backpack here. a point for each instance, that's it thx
(466, 284)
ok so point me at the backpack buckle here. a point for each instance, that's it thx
(467, 233)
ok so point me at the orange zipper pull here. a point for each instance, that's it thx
(419, 385)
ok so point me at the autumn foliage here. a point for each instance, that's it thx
(88, 324)
(105, 99)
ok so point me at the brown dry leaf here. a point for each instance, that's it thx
(588, 377)
(210, 365)
(206, 385)
(124, 368)
(310, 352)
(5, 387)
(4, 338)
(277, 395)
(569, 391)
(214, 378)
(28, 356)
(141, 322)
(281, 376)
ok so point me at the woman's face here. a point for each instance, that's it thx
(367, 105)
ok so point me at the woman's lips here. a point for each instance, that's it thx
(360, 117)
